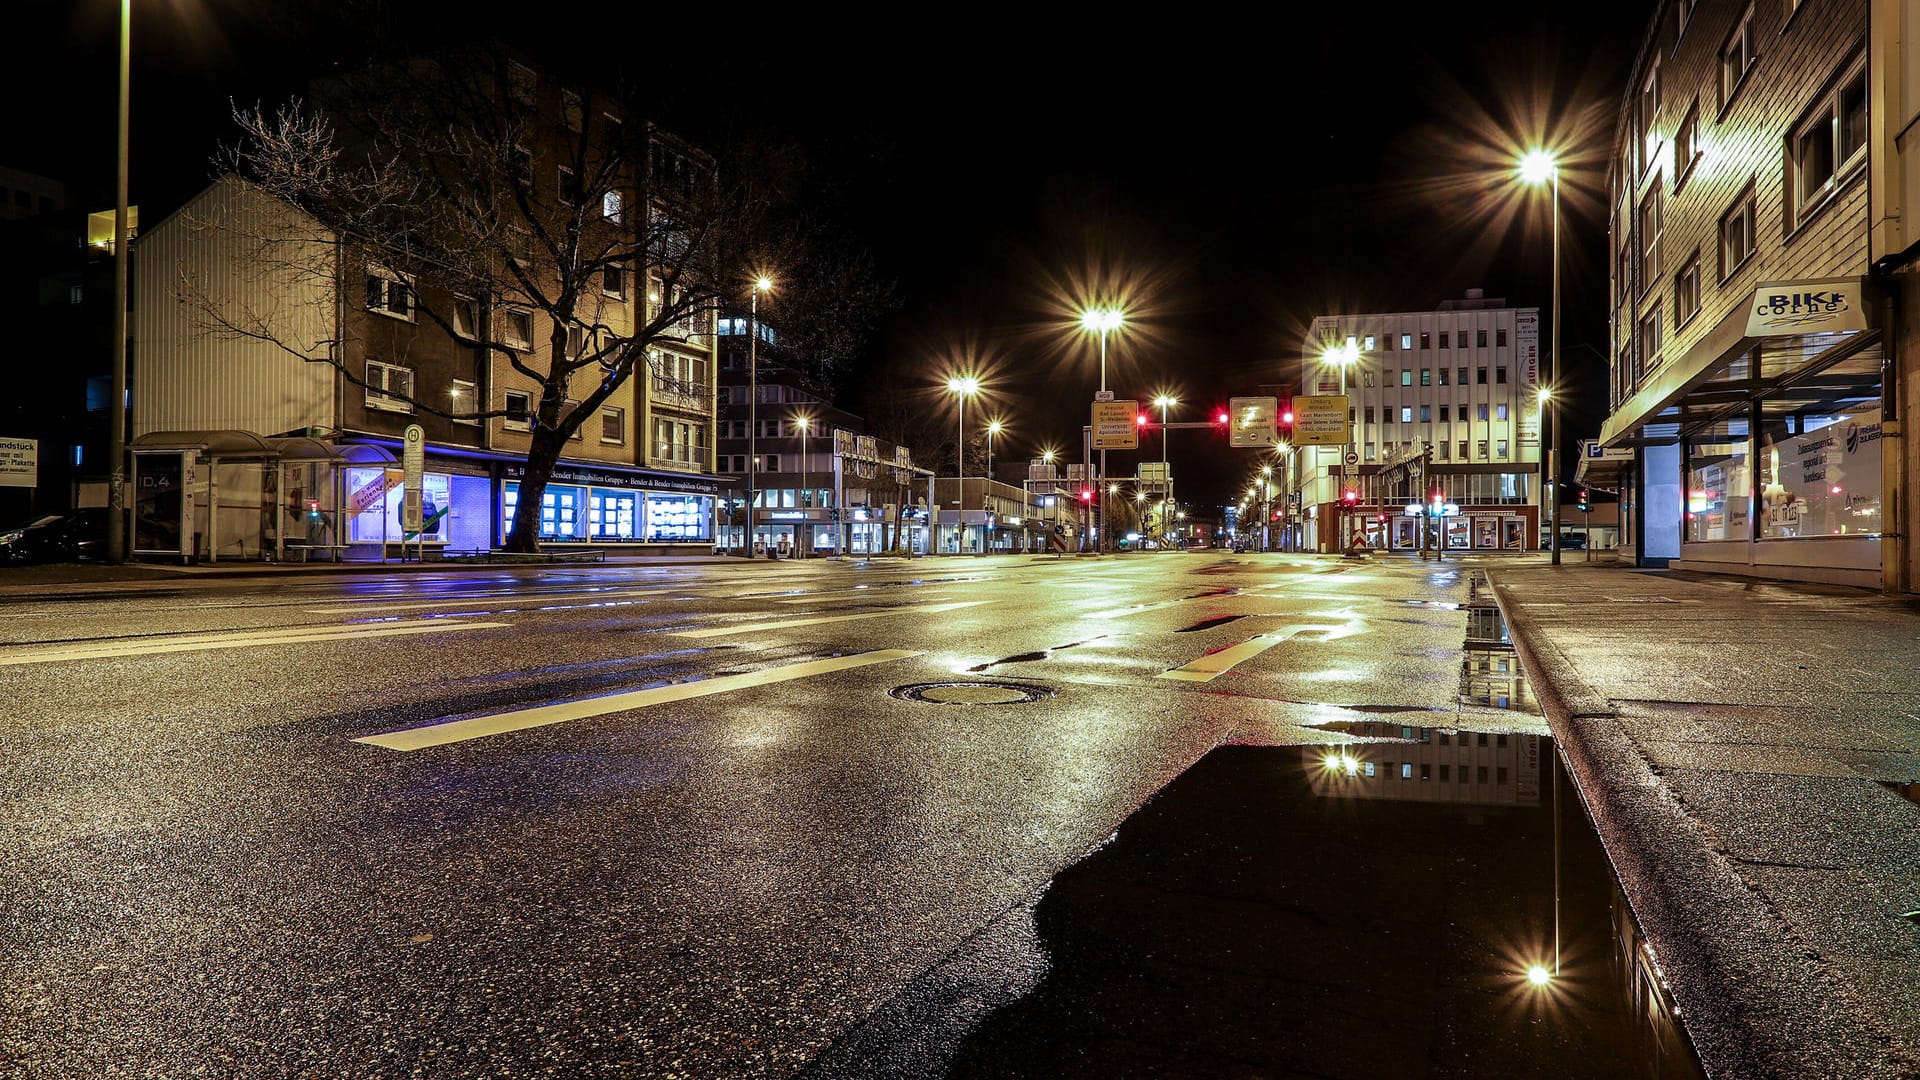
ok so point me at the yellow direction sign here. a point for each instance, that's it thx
(1320, 421)
(1116, 425)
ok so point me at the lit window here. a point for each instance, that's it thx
(611, 207)
(1686, 145)
(1500, 448)
(1650, 236)
(464, 397)
(1426, 376)
(1648, 113)
(1406, 341)
(1650, 337)
(1406, 376)
(1406, 414)
(1368, 343)
(1500, 412)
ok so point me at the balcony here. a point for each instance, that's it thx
(673, 393)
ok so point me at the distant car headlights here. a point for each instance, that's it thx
(13, 537)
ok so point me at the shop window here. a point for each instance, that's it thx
(1719, 482)
(1820, 471)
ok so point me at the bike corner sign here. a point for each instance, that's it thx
(1806, 307)
(1116, 425)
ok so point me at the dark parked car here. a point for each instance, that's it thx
(75, 536)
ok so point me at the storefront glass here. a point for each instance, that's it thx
(1820, 473)
(612, 515)
(453, 509)
(1719, 482)
(576, 512)
(679, 517)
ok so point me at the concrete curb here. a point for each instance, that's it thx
(1755, 999)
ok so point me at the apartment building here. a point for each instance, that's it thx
(1442, 402)
(1761, 238)
(225, 315)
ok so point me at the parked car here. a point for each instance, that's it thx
(75, 536)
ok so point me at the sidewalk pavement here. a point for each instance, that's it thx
(1734, 740)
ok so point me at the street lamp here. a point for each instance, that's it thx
(1102, 321)
(117, 412)
(1166, 477)
(804, 423)
(1342, 357)
(1540, 167)
(994, 427)
(1266, 507)
(760, 284)
(963, 387)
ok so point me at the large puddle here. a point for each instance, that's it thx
(1398, 906)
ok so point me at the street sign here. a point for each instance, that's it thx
(1103, 395)
(413, 463)
(1252, 422)
(1353, 457)
(1349, 469)
(19, 462)
(1116, 425)
(1320, 420)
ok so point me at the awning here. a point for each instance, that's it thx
(1728, 369)
(226, 443)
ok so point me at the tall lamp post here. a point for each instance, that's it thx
(1343, 357)
(1102, 321)
(963, 387)
(994, 427)
(760, 285)
(804, 423)
(1266, 507)
(117, 413)
(1166, 477)
(1536, 168)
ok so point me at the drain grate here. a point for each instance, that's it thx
(985, 692)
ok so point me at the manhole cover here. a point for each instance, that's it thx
(972, 693)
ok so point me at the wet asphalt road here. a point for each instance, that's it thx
(665, 821)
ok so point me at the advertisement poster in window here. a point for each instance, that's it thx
(376, 503)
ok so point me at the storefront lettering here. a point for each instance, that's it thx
(1857, 435)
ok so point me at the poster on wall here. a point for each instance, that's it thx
(376, 504)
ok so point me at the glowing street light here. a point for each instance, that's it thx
(963, 387)
(805, 424)
(1540, 167)
(760, 284)
(1343, 356)
(1102, 321)
(994, 427)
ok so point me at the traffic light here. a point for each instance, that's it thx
(1584, 504)
(1350, 497)
(1086, 495)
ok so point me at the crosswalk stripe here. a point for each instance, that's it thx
(232, 640)
(1206, 668)
(475, 727)
(782, 624)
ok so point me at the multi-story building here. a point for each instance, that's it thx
(1761, 238)
(640, 471)
(1442, 402)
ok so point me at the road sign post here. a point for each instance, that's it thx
(413, 462)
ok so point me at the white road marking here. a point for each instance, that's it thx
(781, 624)
(1214, 664)
(372, 606)
(476, 727)
(232, 639)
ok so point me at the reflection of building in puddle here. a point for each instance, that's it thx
(1428, 765)
(1484, 625)
(1492, 677)
(1648, 1000)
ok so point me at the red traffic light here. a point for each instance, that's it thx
(1140, 419)
(1222, 418)
(1286, 418)
(1086, 496)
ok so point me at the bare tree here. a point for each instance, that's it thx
(475, 188)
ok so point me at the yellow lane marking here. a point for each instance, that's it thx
(476, 727)
(232, 640)
(1219, 663)
(782, 624)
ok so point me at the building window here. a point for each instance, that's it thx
(465, 397)
(1460, 413)
(1443, 339)
(522, 84)
(613, 424)
(1650, 338)
(1684, 11)
(1828, 143)
(1443, 448)
(1500, 375)
(1426, 339)
(1481, 412)
(1650, 236)
(1482, 447)
(1736, 57)
(1426, 376)
(1406, 341)
(565, 188)
(516, 328)
(570, 111)
(1648, 112)
(389, 387)
(1443, 376)
(1686, 291)
(612, 208)
(1499, 412)
(1480, 339)
(1483, 377)
(1463, 450)
(466, 317)
(519, 408)
(1406, 376)
(1463, 376)
(613, 281)
(1500, 449)
(1367, 343)
(1369, 414)
(1737, 233)
(390, 293)
(1426, 414)
(1406, 414)
(1500, 336)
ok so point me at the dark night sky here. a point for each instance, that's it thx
(1234, 178)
